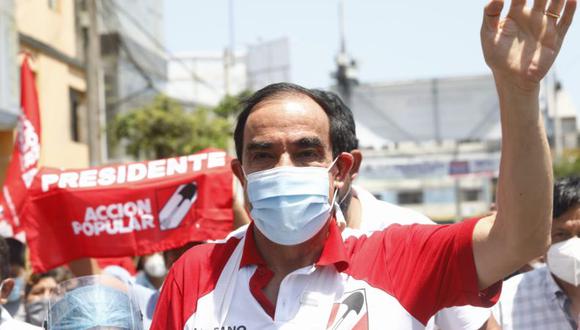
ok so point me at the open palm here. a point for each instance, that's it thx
(523, 46)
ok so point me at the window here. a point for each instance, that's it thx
(471, 195)
(76, 107)
(410, 197)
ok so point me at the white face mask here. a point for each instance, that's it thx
(154, 266)
(564, 260)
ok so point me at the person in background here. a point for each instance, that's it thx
(93, 302)
(152, 271)
(17, 256)
(146, 297)
(6, 286)
(37, 292)
(549, 297)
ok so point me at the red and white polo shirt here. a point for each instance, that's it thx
(396, 279)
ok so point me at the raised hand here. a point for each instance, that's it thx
(522, 47)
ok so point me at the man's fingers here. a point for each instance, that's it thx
(517, 5)
(492, 14)
(540, 5)
(555, 7)
(567, 17)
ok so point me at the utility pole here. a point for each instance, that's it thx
(229, 59)
(94, 86)
(345, 73)
(553, 89)
(559, 143)
(227, 68)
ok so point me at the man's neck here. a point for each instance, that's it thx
(283, 260)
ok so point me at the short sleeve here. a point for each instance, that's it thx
(425, 267)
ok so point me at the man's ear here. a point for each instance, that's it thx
(344, 165)
(7, 286)
(357, 159)
(236, 166)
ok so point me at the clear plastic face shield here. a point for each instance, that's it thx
(98, 302)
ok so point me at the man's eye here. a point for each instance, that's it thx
(262, 155)
(307, 154)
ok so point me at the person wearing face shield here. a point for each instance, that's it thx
(292, 268)
(96, 302)
(6, 287)
(15, 304)
(37, 293)
(147, 296)
(549, 297)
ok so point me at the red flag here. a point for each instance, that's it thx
(26, 151)
(129, 209)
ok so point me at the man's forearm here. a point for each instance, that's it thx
(521, 228)
(525, 184)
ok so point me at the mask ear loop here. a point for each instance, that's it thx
(339, 216)
(345, 195)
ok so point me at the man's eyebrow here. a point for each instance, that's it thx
(309, 142)
(259, 145)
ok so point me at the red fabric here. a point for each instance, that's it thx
(116, 211)
(26, 151)
(426, 267)
(125, 262)
(262, 276)
(193, 276)
(333, 253)
(250, 254)
(333, 313)
(362, 324)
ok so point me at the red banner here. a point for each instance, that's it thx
(130, 209)
(26, 152)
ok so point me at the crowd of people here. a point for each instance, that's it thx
(321, 252)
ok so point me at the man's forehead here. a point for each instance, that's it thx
(260, 142)
(296, 117)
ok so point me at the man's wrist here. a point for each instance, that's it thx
(516, 85)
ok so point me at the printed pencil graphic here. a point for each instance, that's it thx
(177, 206)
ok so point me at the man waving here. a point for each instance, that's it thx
(292, 270)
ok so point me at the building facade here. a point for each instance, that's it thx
(133, 58)
(434, 145)
(205, 77)
(47, 31)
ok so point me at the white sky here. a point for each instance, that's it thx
(391, 40)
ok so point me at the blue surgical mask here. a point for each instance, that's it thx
(290, 204)
(16, 292)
